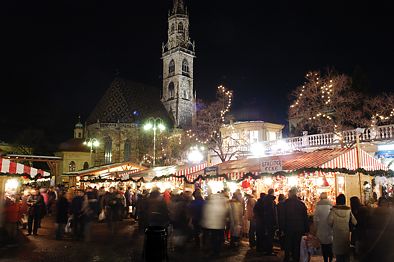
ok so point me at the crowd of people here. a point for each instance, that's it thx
(209, 221)
(74, 210)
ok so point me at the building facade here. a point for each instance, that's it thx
(75, 155)
(117, 118)
(238, 137)
(178, 55)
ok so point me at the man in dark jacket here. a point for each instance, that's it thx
(270, 222)
(157, 210)
(196, 207)
(61, 215)
(36, 205)
(295, 225)
(258, 211)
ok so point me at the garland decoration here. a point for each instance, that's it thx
(25, 176)
(383, 173)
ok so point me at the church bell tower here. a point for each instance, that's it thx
(178, 54)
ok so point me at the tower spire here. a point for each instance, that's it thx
(179, 7)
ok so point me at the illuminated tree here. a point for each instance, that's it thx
(328, 103)
(380, 109)
(211, 118)
(325, 103)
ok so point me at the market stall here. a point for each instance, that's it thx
(96, 176)
(12, 175)
(332, 171)
(163, 177)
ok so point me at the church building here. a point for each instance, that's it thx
(117, 118)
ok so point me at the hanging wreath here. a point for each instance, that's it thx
(375, 173)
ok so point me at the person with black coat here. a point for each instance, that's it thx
(258, 211)
(78, 216)
(270, 222)
(62, 206)
(295, 225)
(36, 204)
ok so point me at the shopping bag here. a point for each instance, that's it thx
(68, 228)
(101, 216)
(24, 219)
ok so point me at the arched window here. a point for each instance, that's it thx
(71, 166)
(171, 67)
(127, 150)
(185, 66)
(172, 28)
(185, 88)
(171, 90)
(180, 27)
(85, 165)
(107, 150)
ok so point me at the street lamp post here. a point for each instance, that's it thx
(92, 143)
(154, 124)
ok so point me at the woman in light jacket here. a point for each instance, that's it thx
(339, 218)
(324, 230)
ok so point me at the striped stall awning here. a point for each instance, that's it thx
(325, 158)
(349, 160)
(11, 168)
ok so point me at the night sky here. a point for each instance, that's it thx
(59, 57)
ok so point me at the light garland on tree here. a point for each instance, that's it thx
(227, 94)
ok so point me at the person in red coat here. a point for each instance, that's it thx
(12, 214)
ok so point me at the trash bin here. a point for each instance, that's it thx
(155, 244)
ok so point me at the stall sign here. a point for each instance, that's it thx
(211, 170)
(271, 166)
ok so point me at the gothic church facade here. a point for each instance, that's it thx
(118, 116)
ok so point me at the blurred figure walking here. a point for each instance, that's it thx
(215, 213)
(339, 219)
(62, 206)
(295, 225)
(251, 202)
(324, 231)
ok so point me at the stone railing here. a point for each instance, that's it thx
(378, 133)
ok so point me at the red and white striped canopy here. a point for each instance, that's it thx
(12, 168)
(326, 158)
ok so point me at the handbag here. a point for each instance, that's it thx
(68, 228)
(101, 216)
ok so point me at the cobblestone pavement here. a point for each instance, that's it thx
(127, 245)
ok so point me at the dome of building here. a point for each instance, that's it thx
(78, 125)
(73, 145)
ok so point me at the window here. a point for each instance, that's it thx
(180, 27)
(127, 150)
(171, 90)
(171, 67)
(172, 28)
(71, 166)
(253, 137)
(185, 66)
(85, 165)
(185, 88)
(107, 150)
(271, 135)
